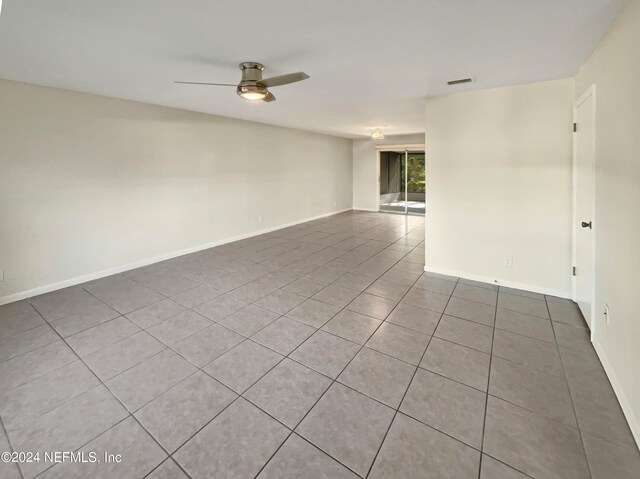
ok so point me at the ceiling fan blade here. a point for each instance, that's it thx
(199, 83)
(283, 79)
(269, 97)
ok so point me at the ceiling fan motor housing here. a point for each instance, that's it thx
(248, 87)
(251, 71)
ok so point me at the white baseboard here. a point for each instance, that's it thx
(145, 262)
(509, 284)
(625, 404)
(366, 209)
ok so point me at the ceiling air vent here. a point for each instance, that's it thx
(458, 82)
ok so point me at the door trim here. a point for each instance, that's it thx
(590, 92)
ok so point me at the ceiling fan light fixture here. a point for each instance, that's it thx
(252, 92)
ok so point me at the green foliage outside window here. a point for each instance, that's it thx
(416, 174)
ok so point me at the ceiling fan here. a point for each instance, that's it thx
(253, 86)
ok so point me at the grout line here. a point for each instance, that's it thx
(566, 380)
(323, 452)
(238, 396)
(11, 448)
(46, 323)
(507, 465)
(486, 399)
(397, 410)
(168, 459)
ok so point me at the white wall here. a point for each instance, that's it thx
(89, 183)
(500, 163)
(614, 68)
(365, 176)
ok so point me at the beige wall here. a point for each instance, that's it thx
(89, 183)
(614, 68)
(365, 179)
(500, 163)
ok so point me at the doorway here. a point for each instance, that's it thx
(402, 183)
(584, 205)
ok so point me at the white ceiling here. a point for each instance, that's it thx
(372, 62)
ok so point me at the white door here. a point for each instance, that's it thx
(584, 197)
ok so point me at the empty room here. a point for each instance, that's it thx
(390, 239)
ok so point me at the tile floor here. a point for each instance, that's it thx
(320, 351)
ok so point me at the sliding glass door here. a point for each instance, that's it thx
(402, 181)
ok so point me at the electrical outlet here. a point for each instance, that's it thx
(607, 313)
(508, 261)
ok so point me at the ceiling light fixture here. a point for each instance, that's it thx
(377, 135)
(376, 132)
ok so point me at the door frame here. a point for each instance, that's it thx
(590, 92)
(395, 148)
